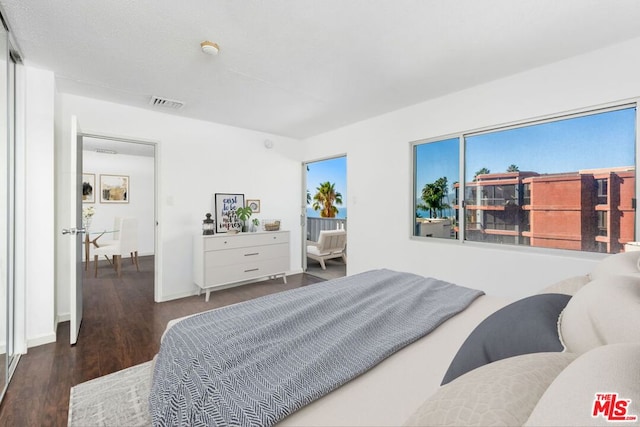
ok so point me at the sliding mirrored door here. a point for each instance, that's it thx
(8, 358)
(7, 211)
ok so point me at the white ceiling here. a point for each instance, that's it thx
(302, 67)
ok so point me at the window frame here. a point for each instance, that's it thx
(462, 189)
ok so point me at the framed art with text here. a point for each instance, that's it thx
(225, 208)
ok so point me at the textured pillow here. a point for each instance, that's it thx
(604, 311)
(529, 325)
(618, 264)
(499, 394)
(569, 400)
(567, 286)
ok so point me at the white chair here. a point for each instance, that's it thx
(112, 238)
(126, 244)
(331, 244)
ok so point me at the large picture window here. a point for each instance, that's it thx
(567, 183)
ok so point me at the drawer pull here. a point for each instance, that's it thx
(253, 254)
(253, 269)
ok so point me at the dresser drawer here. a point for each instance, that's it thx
(244, 240)
(246, 271)
(245, 255)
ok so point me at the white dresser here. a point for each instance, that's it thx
(222, 259)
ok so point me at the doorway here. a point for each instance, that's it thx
(325, 209)
(133, 162)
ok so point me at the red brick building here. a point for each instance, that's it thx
(588, 210)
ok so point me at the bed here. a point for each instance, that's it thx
(559, 357)
(373, 398)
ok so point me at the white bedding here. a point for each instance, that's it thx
(389, 393)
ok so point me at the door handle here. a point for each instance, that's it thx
(73, 231)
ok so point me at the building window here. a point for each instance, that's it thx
(526, 194)
(603, 228)
(601, 190)
(525, 225)
(533, 184)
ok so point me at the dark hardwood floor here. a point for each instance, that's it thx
(121, 328)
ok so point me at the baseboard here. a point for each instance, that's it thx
(41, 340)
(64, 317)
(179, 295)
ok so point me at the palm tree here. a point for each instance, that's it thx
(433, 194)
(325, 200)
(513, 168)
(482, 171)
(431, 198)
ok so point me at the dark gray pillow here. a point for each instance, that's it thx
(529, 325)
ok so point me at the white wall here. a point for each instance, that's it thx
(140, 171)
(379, 171)
(196, 160)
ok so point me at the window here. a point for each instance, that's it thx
(526, 194)
(437, 172)
(601, 191)
(536, 184)
(602, 223)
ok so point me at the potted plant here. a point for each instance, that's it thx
(256, 223)
(243, 215)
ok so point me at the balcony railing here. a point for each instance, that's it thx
(314, 225)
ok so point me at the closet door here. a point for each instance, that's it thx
(7, 213)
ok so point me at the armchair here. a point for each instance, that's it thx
(330, 244)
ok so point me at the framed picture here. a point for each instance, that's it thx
(88, 188)
(225, 208)
(114, 189)
(254, 204)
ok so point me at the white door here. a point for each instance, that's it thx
(75, 232)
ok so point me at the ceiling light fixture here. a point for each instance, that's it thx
(210, 48)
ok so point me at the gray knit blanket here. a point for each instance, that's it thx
(254, 363)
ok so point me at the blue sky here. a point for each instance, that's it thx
(588, 142)
(332, 170)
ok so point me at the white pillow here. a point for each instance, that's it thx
(502, 393)
(567, 286)
(604, 311)
(618, 264)
(569, 400)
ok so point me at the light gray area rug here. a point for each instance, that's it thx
(118, 399)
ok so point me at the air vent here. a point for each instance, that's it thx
(106, 151)
(156, 101)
